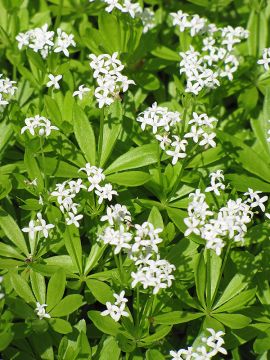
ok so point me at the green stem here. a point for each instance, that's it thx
(221, 271)
(159, 171)
(208, 269)
(100, 138)
(43, 162)
(59, 14)
(137, 324)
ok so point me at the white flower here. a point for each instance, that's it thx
(118, 238)
(208, 140)
(117, 309)
(176, 154)
(164, 140)
(39, 225)
(107, 71)
(120, 298)
(31, 229)
(81, 91)
(105, 192)
(153, 273)
(54, 81)
(255, 200)
(41, 312)
(116, 214)
(63, 42)
(194, 133)
(43, 227)
(38, 122)
(216, 182)
(73, 219)
(44, 41)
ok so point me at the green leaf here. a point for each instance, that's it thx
(110, 30)
(238, 302)
(129, 178)
(6, 133)
(243, 154)
(262, 343)
(5, 186)
(176, 317)
(160, 333)
(101, 291)
(38, 286)
(165, 53)
(147, 80)
(74, 246)
(243, 182)
(215, 268)
(33, 169)
(155, 218)
(235, 286)
(12, 231)
(134, 158)
(95, 254)
(110, 350)
(84, 134)
(10, 251)
(152, 354)
(233, 321)
(104, 323)
(206, 157)
(56, 289)
(58, 168)
(53, 111)
(61, 326)
(200, 278)
(22, 288)
(67, 305)
(111, 130)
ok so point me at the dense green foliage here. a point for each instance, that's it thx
(72, 269)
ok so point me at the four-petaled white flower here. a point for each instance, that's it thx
(81, 91)
(73, 219)
(54, 80)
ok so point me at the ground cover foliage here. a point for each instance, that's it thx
(134, 144)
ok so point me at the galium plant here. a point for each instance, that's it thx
(134, 215)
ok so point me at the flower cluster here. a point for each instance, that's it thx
(40, 124)
(229, 223)
(66, 192)
(95, 176)
(107, 72)
(214, 59)
(146, 15)
(41, 312)
(44, 41)
(166, 125)
(117, 309)
(265, 61)
(153, 273)
(117, 234)
(213, 346)
(39, 225)
(216, 179)
(7, 89)
(141, 246)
